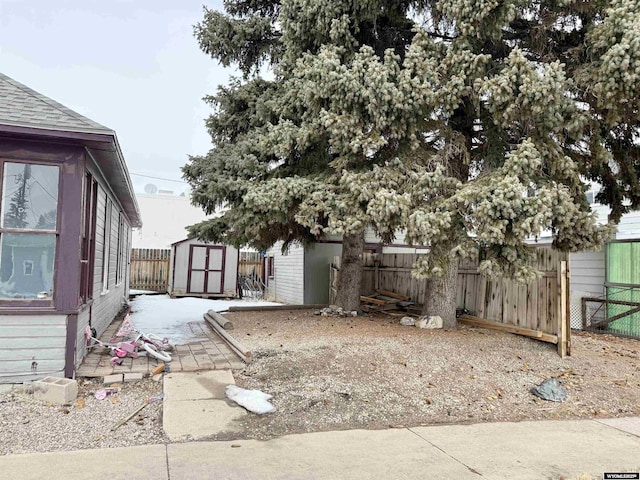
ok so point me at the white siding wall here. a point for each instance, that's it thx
(28, 339)
(287, 286)
(371, 237)
(629, 226)
(108, 299)
(587, 272)
(179, 258)
(81, 342)
(230, 282)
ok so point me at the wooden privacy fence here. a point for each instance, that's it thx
(538, 310)
(251, 265)
(150, 269)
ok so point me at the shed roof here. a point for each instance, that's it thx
(26, 113)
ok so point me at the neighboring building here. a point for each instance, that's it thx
(199, 269)
(301, 275)
(166, 218)
(588, 270)
(67, 209)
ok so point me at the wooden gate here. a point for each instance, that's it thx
(538, 310)
(150, 269)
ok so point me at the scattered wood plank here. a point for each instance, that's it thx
(268, 308)
(482, 323)
(375, 301)
(244, 354)
(387, 293)
(378, 308)
(223, 322)
(129, 417)
(386, 299)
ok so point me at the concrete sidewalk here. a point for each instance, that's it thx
(196, 407)
(527, 450)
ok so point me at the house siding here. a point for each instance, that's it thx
(587, 273)
(44, 335)
(287, 286)
(178, 265)
(32, 346)
(33, 343)
(108, 299)
(81, 342)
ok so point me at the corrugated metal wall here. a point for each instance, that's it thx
(623, 283)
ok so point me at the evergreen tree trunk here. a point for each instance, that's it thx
(440, 295)
(351, 265)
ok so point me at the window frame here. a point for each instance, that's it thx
(35, 302)
(106, 251)
(120, 252)
(271, 266)
(88, 232)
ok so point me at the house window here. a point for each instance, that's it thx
(106, 257)
(28, 230)
(591, 196)
(270, 267)
(88, 238)
(121, 244)
(27, 267)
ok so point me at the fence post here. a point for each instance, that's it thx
(562, 309)
(567, 306)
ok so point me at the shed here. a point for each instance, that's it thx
(67, 208)
(300, 275)
(200, 269)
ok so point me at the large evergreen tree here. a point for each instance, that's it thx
(467, 125)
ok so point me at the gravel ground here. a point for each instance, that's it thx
(365, 372)
(369, 372)
(29, 425)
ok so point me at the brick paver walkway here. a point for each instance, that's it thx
(209, 352)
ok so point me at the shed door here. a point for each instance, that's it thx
(206, 269)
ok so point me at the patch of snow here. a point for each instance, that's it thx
(168, 317)
(140, 292)
(253, 400)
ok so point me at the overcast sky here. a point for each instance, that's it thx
(131, 65)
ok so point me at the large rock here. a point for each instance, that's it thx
(550, 390)
(430, 321)
(408, 321)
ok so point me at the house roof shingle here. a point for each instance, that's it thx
(22, 106)
(24, 111)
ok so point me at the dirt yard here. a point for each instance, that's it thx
(370, 372)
